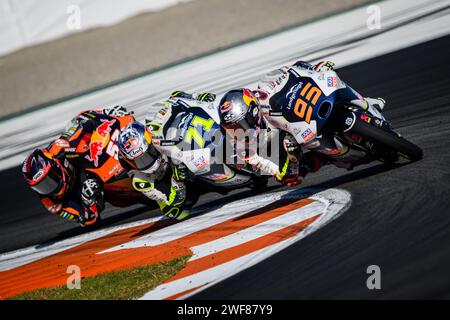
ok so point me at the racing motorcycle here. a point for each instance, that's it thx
(194, 137)
(327, 116)
(92, 138)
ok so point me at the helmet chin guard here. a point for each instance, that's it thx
(45, 174)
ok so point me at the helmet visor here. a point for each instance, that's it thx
(248, 122)
(50, 183)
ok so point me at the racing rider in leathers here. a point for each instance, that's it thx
(233, 117)
(63, 189)
(246, 153)
(242, 119)
(152, 172)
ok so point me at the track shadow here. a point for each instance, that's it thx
(218, 203)
(357, 175)
(305, 191)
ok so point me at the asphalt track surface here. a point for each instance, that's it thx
(399, 218)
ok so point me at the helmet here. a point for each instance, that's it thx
(45, 174)
(135, 146)
(240, 109)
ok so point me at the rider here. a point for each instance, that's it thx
(286, 173)
(63, 189)
(240, 109)
(153, 173)
(237, 112)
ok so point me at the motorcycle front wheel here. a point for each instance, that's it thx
(388, 139)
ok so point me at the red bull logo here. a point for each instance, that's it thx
(248, 97)
(105, 128)
(99, 140)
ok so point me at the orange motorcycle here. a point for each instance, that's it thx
(90, 143)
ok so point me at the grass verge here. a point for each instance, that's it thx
(118, 285)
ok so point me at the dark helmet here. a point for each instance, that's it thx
(45, 174)
(135, 146)
(240, 109)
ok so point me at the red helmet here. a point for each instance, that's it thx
(45, 174)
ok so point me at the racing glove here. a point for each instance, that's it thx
(69, 210)
(203, 97)
(321, 66)
(117, 111)
(92, 198)
(180, 94)
(378, 103)
(145, 185)
(264, 165)
(324, 66)
(206, 97)
(303, 65)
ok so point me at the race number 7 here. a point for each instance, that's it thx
(310, 95)
(193, 133)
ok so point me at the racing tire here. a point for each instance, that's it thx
(388, 139)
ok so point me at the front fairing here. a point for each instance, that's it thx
(93, 147)
(193, 137)
(303, 106)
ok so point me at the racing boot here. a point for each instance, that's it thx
(183, 215)
(90, 217)
(311, 162)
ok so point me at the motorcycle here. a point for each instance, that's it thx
(92, 138)
(194, 137)
(327, 116)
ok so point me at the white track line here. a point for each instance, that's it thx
(201, 222)
(13, 259)
(333, 202)
(258, 230)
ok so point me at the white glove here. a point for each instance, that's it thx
(155, 194)
(323, 66)
(116, 111)
(146, 185)
(266, 166)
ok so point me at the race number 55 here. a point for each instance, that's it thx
(113, 149)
